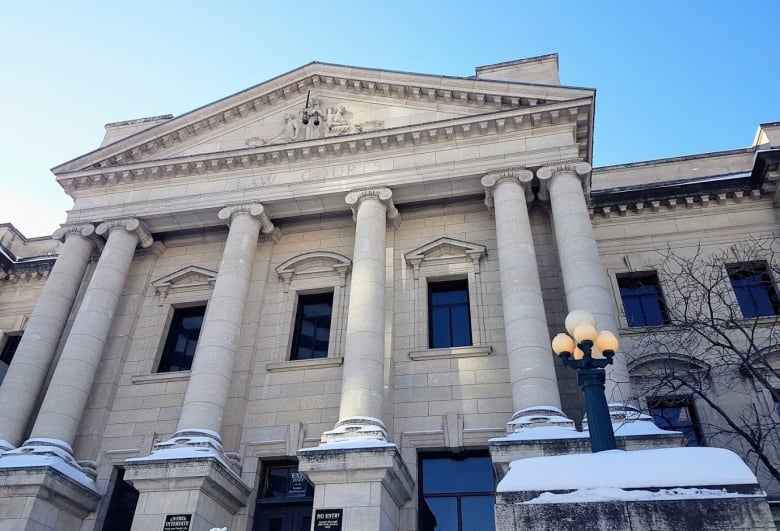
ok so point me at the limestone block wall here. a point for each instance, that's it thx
(633, 241)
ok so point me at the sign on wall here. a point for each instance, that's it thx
(177, 522)
(328, 519)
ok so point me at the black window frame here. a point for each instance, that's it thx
(10, 345)
(691, 430)
(305, 300)
(423, 514)
(643, 299)
(754, 281)
(453, 323)
(170, 359)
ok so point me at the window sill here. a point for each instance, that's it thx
(161, 377)
(298, 365)
(454, 352)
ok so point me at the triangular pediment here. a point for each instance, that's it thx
(350, 104)
(445, 250)
(189, 278)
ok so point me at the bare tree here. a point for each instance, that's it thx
(719, 346)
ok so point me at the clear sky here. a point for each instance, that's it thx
(672, 77)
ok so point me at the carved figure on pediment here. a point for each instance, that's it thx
(291, 127)
(338, 124)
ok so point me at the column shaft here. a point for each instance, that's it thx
(212, 366)
(531, 365)
(24, 381)
(584, 278)
(71, 383)
(363, 377)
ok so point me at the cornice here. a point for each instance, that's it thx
(674, 203)
(574, 112)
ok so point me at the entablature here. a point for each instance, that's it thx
(574, 114)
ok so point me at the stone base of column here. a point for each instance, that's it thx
(369, 483)
(43, 488)
(352, 428)
(190, 474)
(538, 417)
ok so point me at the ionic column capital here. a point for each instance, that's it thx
(520, 176)
(546, 173)
(85, 230)
(133, 225)
(255, 210)
(385, 195)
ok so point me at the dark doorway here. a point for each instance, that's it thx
(284, 502)
(121, 508)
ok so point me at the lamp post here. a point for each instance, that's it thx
(577, 351)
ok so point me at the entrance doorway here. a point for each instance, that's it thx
(285, 500)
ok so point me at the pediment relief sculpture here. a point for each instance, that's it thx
(189, 278)
(312, 123)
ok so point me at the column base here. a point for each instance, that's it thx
(352, 428)
(189, 474)
(538, 417)
(369, 483)
(44, 488)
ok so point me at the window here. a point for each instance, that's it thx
(642, 299)
(448, 314)
(677, 414)
(754, 288)
(456, 493)
(182, 339)
(7, 354)
(312, 326)
(284, 501)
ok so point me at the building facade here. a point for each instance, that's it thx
(322, 297)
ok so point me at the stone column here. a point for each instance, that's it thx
(191, 472)
(584, 278)
(364, 350)
(212, 366)
(531, 365)
(24, 381)
(71, 383)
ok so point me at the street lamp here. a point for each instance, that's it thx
(577, 351)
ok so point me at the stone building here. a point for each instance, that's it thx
(331, 291)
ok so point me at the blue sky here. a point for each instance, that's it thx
(672, 78)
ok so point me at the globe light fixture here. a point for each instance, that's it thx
(589, 352)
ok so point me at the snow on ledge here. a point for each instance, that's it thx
(606, 494)
(664, 467)
(356, 443)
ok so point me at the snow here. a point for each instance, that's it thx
(639, 427)
(543, 433)
(604, 494)
(46, 455)
(663, 467)
(351, 443)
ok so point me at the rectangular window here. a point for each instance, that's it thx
(677, 414)
(449, 318)
(754, 288)
(456, 493)
(642, 299)
(312, 326)
(182, 339)
(7, 354)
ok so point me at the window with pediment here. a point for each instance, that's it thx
(314, 306)
(448, 302)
